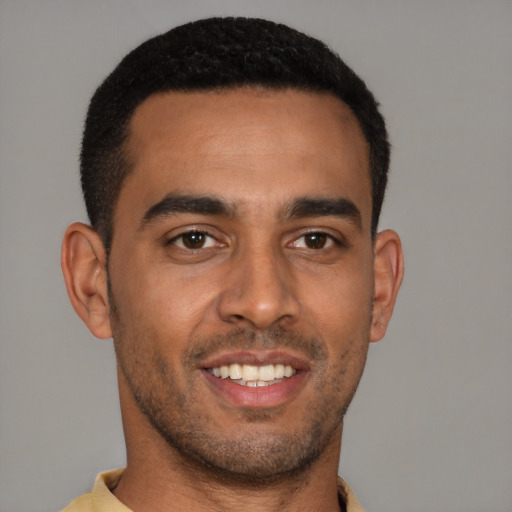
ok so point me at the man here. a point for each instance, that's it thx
(233, 172)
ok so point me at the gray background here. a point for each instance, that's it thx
(430, 428)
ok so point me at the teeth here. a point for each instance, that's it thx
(288, 371)
(279, 369)
(267, 373)
(254, 376)
(235, 371)
(250, 372)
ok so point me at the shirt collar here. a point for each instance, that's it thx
(104, 500)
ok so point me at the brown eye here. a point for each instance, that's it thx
(315, 240)
(194, 240)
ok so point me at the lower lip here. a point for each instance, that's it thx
(257, 397)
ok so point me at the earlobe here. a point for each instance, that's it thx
(83, 262)
(388, 274)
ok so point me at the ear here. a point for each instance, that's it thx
(388, 267)
(83, 262)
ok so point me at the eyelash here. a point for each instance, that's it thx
(200, 232)
(328, 239)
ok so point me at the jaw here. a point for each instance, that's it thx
(235, 430)
(198, 485)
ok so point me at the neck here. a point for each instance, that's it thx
(147, 486)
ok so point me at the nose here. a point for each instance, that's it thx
(259, 291)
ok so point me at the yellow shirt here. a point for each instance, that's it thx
(102, 500)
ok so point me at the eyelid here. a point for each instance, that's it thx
(178, 234)
(337, 238)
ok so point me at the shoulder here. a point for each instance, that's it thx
(82, 504)
(101, 498)
(348, 496)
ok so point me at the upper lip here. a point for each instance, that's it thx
(257, 358)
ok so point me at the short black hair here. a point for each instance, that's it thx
(209, 54)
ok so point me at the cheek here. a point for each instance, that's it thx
(341, 302)
(340, 309)
(158, 305)
(177, 302)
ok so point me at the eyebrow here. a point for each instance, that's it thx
(325, 207)
(173, 204)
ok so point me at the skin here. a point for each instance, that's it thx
(266, 280)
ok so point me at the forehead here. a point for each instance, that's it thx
(246, 145)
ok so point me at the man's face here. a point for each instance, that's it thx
(242, 249)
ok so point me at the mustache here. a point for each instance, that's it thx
(276, 337)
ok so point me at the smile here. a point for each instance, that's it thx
(252, 375)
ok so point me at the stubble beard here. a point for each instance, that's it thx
(258, 457)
